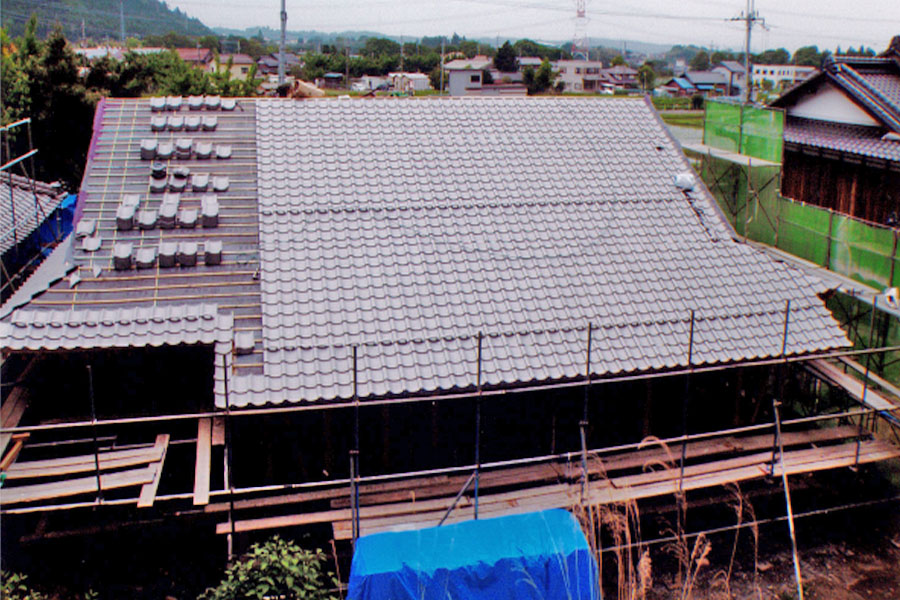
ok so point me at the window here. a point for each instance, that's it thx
(562, 70)
(475, 79)
(245, 70)
(578, 70)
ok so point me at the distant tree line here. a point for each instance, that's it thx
(43, 79)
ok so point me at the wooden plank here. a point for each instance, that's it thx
(18, 440)
(75, 487)
(851, 385)
(218, 430)
(148, 492)
(202, 465)
(11, 412)
(70, 465)
(887, 385)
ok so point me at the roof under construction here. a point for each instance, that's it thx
(410, 229)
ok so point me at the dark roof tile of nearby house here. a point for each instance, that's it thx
(195, 55)
(24, 204)
(411, 269)
(838, 137)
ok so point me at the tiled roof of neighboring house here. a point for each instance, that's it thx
(733, 66)
(23, 207)
(529, 61)
(236, 59)
(195, 55)
(682, 83)
(839, 137)
(705, 78)
(412, 269)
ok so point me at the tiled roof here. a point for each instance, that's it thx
(408, 227)
(23, 207)
(412, 267)
(854, 139)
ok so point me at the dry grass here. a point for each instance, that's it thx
(621, 524)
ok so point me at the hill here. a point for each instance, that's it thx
(99, 18)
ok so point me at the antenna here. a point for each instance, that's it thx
(122, 20)
(750, 17)
(281, 45)
(579, 40)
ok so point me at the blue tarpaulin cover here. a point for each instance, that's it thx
(537, 555)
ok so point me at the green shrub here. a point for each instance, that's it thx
(14, 587)
(276, 569)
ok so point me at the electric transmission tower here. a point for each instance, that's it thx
(580, 40)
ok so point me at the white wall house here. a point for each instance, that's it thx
(781, 76)
(579, 75)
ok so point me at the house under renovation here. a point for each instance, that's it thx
(357, 316)
(842, 137)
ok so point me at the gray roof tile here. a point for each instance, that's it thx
(23, 209)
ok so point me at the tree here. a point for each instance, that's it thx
(773, 57)
(376, 47)
(211, 42)
(618, 60)
(700, 62)
(486, 77)
(505, 60)
(275, 569)
(646, 77)
(540, 80)
(719, 56)
(435, 78)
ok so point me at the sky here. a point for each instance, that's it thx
(789, 24)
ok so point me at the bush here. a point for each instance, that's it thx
(697, 101)
(276, 569)
(14, 587)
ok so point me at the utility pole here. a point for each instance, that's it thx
(122, 20)
(281, 45)
(750, 18)
(442, 65)
(401, 55)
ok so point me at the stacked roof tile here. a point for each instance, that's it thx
(24, 204)
(409, 228)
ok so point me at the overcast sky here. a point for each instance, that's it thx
(789, 23)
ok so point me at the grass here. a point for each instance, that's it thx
(684, 119)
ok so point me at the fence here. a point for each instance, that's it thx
(750, 198)
(744, 129)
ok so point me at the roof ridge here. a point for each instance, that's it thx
(881, 102)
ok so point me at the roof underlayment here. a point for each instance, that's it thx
(409, 227)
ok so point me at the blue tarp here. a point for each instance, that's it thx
(541, 555)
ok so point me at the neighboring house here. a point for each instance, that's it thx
(842, 137)
(373, 82)
(117, 53)
(409, 82)
(464, 74)
(331, 81)
(619, 78)
(735, 75)
(707, 83)
(780, 77)
(30, 221)
(365, 279)
(240, 65)
(268, 65)
(579, 75)
(197, 57)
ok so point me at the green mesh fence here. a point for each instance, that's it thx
(857, 249)
(748, 130)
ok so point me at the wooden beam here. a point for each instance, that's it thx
(218, 430)
(851, 385)
(202, 465)
(14, 406)
(71, 465)
(148, 492)
(74, 487)
(18, 440)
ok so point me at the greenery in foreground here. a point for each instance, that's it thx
(276, 568)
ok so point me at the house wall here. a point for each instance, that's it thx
(859, 190)
(462, 79)
(831, 104)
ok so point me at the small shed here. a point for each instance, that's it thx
(536, 555)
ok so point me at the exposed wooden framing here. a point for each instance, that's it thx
(148, 492)
(75, 487)
(75, 302)
(203, 462)
(15, 404)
